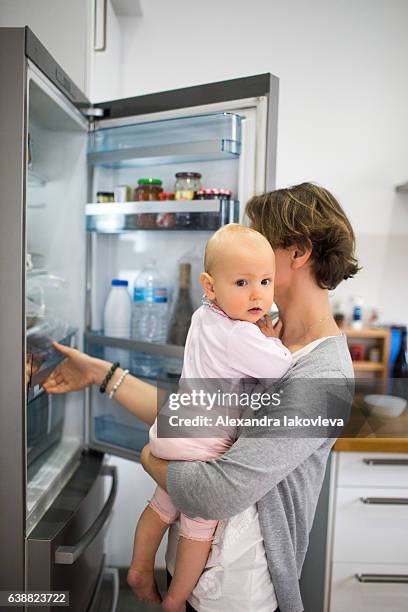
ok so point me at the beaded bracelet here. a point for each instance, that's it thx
(109, 375)
(118, 383)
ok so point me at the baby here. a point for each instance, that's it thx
(223, 342)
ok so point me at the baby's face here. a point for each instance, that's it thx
(243, 282)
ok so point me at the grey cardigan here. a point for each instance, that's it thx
(282, 475)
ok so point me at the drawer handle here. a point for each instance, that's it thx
(372, 461)
(386, 501)
(383, 578)
(67, 555)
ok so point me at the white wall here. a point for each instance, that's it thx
(343, 120)
(61, 25)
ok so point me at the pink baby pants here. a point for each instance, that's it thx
(185, 449)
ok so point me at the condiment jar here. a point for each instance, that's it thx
(166, 219)
(187, 184)
(148, 189)
(211, 220)
(186, 187)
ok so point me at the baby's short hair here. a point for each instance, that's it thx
(223, 235)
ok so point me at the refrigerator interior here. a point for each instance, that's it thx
(220, 146)
(55, 282)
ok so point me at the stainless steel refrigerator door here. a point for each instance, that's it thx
(13, 79)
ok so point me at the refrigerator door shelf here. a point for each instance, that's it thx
(168, 141)
(201, 215)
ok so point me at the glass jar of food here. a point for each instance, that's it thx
(212, 220)
(104, 197)
(166, 219)
(186, 187)
(187, 184)
(148, 189)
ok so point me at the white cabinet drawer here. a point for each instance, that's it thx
(350, 595)
(371, 532)
(372, 470)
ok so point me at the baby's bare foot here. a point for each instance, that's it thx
(170, 605)
(143, 585)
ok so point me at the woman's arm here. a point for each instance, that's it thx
(79, 371)
(226, 486)
(259, 459)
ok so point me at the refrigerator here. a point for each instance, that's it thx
(59, 250)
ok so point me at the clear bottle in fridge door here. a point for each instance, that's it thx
(117, 318)
(149, 320)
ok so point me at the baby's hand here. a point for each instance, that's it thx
(268, 328)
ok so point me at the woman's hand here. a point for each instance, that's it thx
(76, 372)
(156, 468)
(268, 328)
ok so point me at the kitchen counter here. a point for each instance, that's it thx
(375, 434)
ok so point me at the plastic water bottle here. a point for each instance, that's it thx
(149, 320)
(117, 320)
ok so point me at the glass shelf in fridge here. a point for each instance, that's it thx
(185, 139)
(203, 215)
(99, 339)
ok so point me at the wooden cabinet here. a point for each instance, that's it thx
(367, 569)
(371, 338)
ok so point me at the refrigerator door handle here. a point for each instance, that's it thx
(100, 25)
(67, 555)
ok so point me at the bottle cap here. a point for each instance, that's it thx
(119, 283)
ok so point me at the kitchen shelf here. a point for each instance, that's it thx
(204, 215)
(168, 350)
(371, 337)
(368, 366)
(185, 139)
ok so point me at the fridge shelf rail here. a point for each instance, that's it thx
(164, 216)
(168, 350)
(184, 139)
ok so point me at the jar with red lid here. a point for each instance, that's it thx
(211, 219)
(148, 190)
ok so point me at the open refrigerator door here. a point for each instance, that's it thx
(192, 166)
(54, 281)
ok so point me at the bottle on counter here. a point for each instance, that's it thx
(400, 369)
(149, 319)
(181, 318)
(357, 319)
(117, 320)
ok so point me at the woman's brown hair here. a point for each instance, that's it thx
(308, 216)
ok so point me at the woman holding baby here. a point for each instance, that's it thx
(254, 495)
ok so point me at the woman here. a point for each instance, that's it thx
(259, 551)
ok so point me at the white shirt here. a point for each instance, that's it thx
(236, 577)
